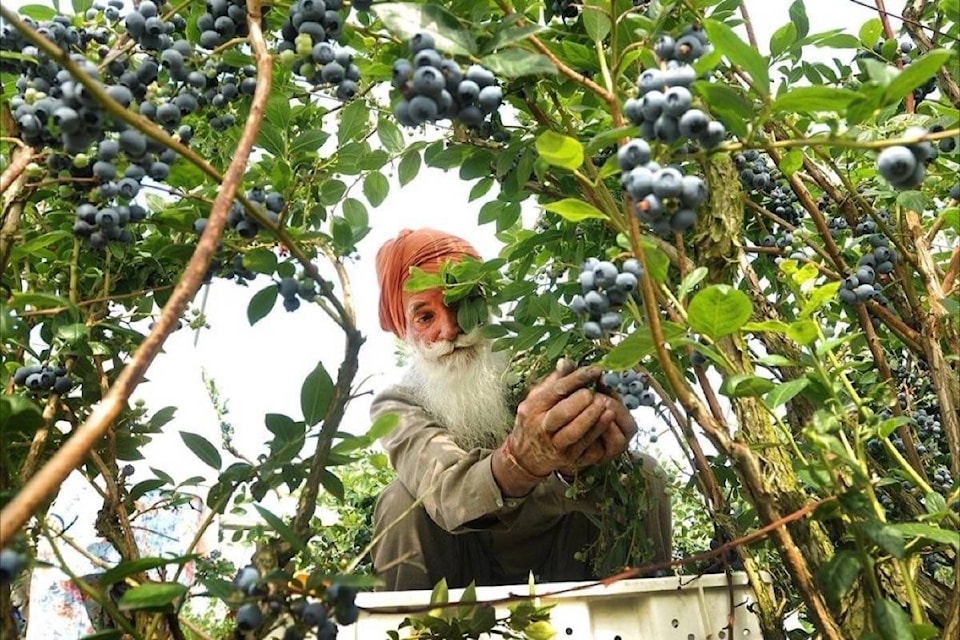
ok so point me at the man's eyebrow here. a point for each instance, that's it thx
(416, 306)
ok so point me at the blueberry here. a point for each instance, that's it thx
(627, 281)
(578, 305)
(592, 330)
(676, 101)
(647, 399)
(610, 321)
(630, 401)
(693, 124)
(632, 265)
(314, 614)
(634, 153)
(421, 41)
(651, 79)
(11, 563)
(668, 183)
(246, 578)
(605, 274)
(249, 617)
(897, 164)
(597, 303)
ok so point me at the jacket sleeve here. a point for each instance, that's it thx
(457, 487)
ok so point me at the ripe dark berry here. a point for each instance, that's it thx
(11, 564)
(897, 164)
(249, 617)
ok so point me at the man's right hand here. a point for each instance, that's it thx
(558, 425)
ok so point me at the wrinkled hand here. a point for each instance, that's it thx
(564, 424)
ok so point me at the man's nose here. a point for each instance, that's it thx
(449, 329)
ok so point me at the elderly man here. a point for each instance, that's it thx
(491, 479)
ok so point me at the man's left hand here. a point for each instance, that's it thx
(619, 429)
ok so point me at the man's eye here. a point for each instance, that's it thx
(424, 317)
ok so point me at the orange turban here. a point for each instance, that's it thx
(423, 248)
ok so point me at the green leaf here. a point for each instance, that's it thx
(316, 395)
(281, 528)
(383, 425)
(637, 346)
(261, 304)
(72, 333)
(409, 166)
(657, 261)
(813, 99)
(132, 567)
(791, 162)
(406, 19)
(480, 189)
(820, 296)
(719, 310)
(886, 537)
(596, 19)
(332, 191)
(837, 576)
(355, 213)
(308, 143)
(692, 280)
(742, 385)
(202, 448)
(390, 135)
(798, 16)
(153, 595)
(784, 393)
(929, 532)
(19, 414)
(260, 260)
(782, 38)
(440, 594)
(20, 301)
(912, 201)
(574, 210)
(890, 620)
(559, 150)
(332, 484)
(740, 53)
(951, 218)
(354, 122)
(803, 331)
(272, 140)
(38, 12)
(514, 63)
(916, 74)
(375, 188)
(870, 32)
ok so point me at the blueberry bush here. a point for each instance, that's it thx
(758, 242)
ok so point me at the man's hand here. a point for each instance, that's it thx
(563, 423)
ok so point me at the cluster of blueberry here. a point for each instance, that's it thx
(100, 225)
(433, 87)
(269, 203)
(766, 185)
(307, 615)
(162, 78)
(41, 378)
(603, 290)
(760, 179)
(310, 46)
(862, 284)
(222, 21)
(664, 198)
(293, 290)
(904, 166)
(631, 387)
(663, 108)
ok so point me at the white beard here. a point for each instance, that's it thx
(461, 384)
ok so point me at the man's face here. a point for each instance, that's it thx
(428, 319)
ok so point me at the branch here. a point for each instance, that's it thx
(75, 449)
(607, 96)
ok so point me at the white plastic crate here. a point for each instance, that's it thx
(675, 607)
